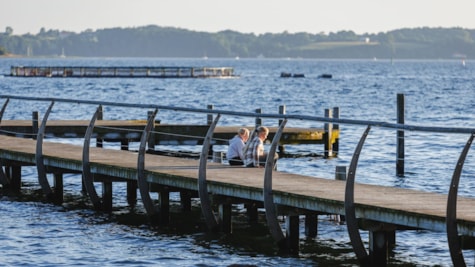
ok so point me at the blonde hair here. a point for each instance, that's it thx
(243, 131)
(262, 129)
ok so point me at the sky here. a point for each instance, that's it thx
(245, 16)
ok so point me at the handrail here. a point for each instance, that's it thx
(143, 184)
(381, 124)
(206, 205)
(271, 213)
(40, 166)
(350, 209)
(451, 217)
(4, 180)
(87, 176)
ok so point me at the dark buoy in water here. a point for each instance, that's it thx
(285, 75)
(325, 76)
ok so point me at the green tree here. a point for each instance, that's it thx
(8, 30)
(3, 51)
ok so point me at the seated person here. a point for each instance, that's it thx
(255, 156)
(235, 153)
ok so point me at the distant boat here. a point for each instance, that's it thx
(289, 75)
(285, 75)
(325, 76)
(63, 55)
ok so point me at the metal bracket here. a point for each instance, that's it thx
(271, 214)
(87, 176)
(40, 166)
(141, 180)
(206, 208)
(451, 219)
(350, 213)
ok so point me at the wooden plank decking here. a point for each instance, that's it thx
(384, 204)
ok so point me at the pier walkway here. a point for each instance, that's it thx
(381, 210)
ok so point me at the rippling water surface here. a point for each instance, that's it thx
(437, 93)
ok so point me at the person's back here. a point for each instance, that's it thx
(235, 155)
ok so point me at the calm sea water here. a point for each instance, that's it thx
(437, 93)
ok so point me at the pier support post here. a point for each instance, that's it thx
(131, 185)
(282, 110)
(209, 118)
(340, 174)
(311, 225)
(225, 217)
(252, 212)
(100, 116)
(15, 176)
(218, 156)
(258, 119)
(400, 136)
(185, 200)
(292, 233)
(164, 197)
(151, 138)
(58, 188)
(378, 248)
(132, 193)
(124, 144)
(35, 124)
(107, 195)
(327, 136)
(336, 126)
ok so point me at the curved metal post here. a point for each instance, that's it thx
(141, 180)
(350, 214)
(86, 166)
(3, 177)
(271, 215)
(451, 220)
(40, 166)
(206, 208)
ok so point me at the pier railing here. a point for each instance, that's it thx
(350, 210)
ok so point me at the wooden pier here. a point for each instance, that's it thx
(121, 72)
(381, 210)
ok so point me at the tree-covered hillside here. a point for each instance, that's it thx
(155, 41)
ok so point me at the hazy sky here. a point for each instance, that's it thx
(246, 16)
